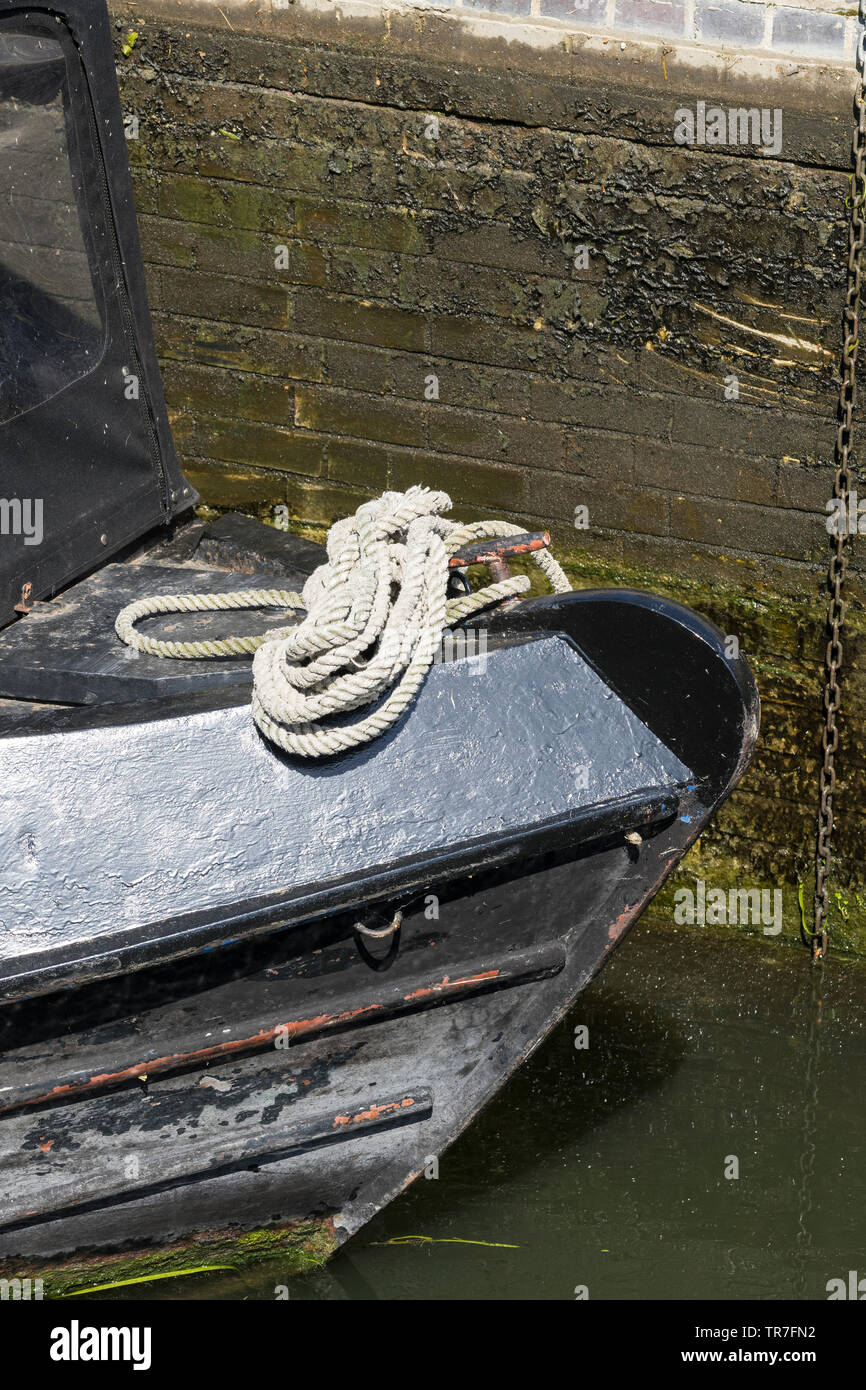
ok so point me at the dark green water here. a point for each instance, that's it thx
(606, 1167)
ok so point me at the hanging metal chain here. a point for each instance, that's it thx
(841, 490)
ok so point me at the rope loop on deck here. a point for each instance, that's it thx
(189, 603)
(372, 622)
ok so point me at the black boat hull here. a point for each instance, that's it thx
(288, 1079)
(194, 1032)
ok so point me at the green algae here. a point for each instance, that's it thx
(301, 1247)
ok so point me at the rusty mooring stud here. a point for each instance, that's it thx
(490, 551)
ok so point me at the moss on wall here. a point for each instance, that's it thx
(313, 257)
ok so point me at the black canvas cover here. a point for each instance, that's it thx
(86, 457)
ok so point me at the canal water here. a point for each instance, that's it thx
(708, 1142)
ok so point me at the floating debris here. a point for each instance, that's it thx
(445, 1240)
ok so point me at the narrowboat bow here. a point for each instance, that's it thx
(238, 988)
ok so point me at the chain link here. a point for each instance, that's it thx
(817, 937)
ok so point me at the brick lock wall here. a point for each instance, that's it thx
(392, 250)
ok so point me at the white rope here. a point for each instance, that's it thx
(188, 603)
(374, 618)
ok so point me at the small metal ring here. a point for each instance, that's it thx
(385, 932)
(390, 933)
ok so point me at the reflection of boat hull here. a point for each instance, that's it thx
(288, 1079)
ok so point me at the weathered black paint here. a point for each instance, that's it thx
(236, 542)
(578, 898)
(139, 832)
(195, 1040)
(67, 651)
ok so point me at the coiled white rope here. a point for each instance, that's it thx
(374, 618)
